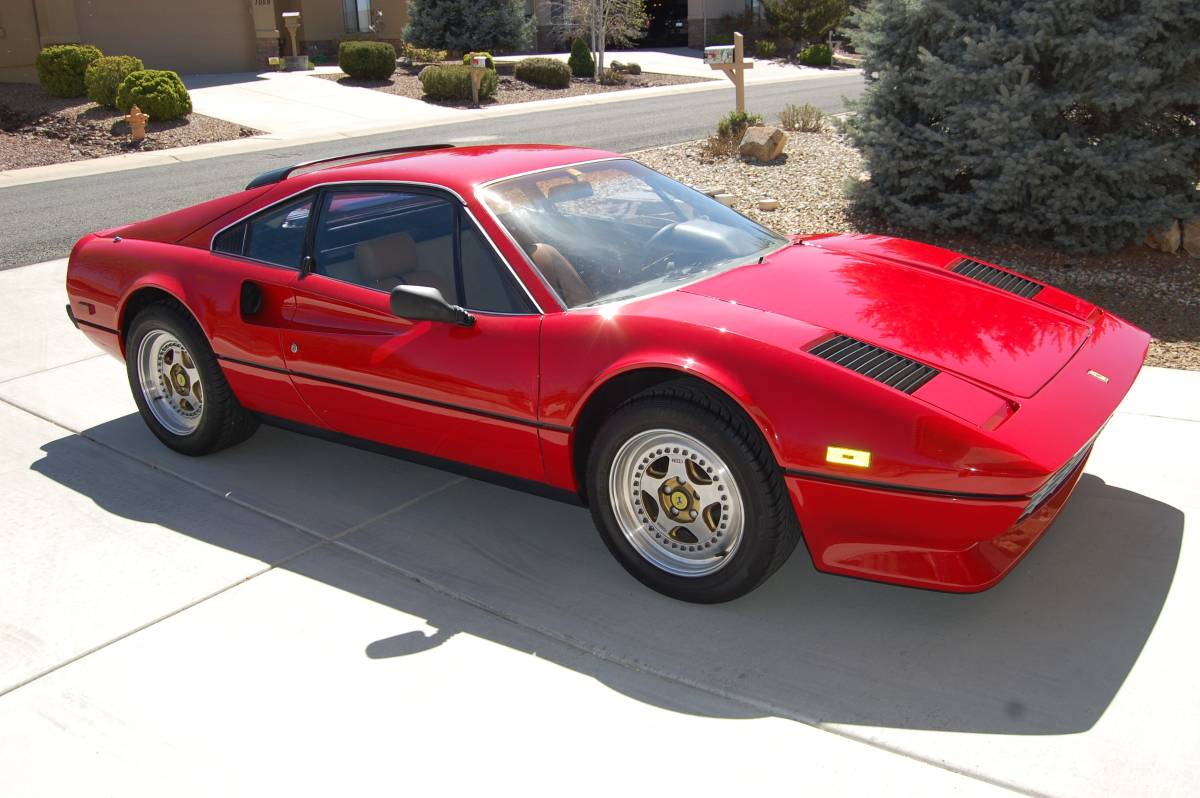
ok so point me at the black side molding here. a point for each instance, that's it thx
(78, 321)
(451, 466)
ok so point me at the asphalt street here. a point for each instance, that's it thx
(43, 220)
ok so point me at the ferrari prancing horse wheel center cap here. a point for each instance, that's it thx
(179, 377)
(679, 499)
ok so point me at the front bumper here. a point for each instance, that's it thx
(933, 537)
(960, 545)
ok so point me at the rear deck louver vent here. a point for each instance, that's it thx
(996, 277)
(902, 373)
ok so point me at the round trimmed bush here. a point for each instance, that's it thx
(491, 64)
(547, 72)
(104, 76)
(581, 62)
(367, 60)
(61, 68)
(816, 55)
(158, 92)
(453, 82)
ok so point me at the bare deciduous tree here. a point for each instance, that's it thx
(621, 22)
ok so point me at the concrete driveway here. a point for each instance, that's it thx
(297, 617)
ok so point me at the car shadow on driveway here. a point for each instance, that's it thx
(1044, 652)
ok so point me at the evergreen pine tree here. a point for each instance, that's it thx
(1074, 122)
(580, 61)
(494, 26)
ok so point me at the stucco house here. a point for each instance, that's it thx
(192, 36)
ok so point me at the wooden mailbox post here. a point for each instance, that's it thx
(729, 59)
(478, 67)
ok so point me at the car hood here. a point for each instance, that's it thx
(923, 311)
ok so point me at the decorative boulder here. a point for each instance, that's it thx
(1165, 239)
(768, 204)
(762, 143)
(1191, 236)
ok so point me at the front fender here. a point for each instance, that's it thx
(712, 372)
(802, 404)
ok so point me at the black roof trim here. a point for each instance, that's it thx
(281, 174)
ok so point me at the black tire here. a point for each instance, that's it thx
(223, 420)
(770, 529)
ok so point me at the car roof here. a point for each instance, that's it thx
(460, 169)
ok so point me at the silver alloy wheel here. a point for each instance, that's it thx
(676, 502)
(170, 382)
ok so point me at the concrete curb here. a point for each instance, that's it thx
(140, 160)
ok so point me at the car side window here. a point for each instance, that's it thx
(383, 238)
(487, 285)
(276, 236)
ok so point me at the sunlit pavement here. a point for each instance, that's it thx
(298, 617)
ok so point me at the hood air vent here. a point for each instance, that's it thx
(898, 371)
(997, 278)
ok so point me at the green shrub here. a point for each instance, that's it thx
(803, 118)
(765, 48)
(581, 62)
(611, 77)
(816, 55)
(734, 124)
(721, 39)
(805, 20)
(104, 75)
(491, 64)
(158, 92)
(547, 72)
(629, 69)
(61, 68)
(367, 60)
(454, 82)
(422, 55)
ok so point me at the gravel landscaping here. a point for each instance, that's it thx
(1157, 291)
(510, 89)
(37, 129)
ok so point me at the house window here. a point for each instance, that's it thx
(357, 15)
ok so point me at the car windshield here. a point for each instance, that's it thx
(614, 230)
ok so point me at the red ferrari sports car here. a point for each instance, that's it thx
(570, 321)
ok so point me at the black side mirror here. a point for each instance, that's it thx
(422, 303)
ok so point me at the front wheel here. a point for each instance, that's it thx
(178, 385)
(688, 498)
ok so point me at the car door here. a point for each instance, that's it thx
(263, 254)
(461, 393)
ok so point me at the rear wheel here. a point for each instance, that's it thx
(688, 498)
(178, 385)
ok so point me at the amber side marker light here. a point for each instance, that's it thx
(850, 457)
